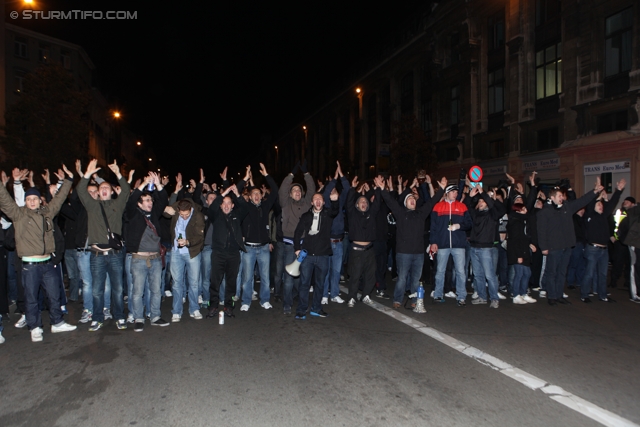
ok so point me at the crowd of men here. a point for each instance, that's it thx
(123, 249)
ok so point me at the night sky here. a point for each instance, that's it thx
(203, 83)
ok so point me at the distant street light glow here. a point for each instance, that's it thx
(116, 115)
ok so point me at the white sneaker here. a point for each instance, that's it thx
(168, 294)
(432, 294)
(36, 335)
(474, 296)
(528, 299)
(1, 338)
(235, 298)
(310, 289)
(519, 300)
(543, 294)
(199, 299)
(22, 322)
(107, 314)
(337, 299)
(175, 318)
(565, 295)
(130, 318)
(352, 302)
(451, 294)
(500, 296)
(367, 300)
(267, 305)
(65, 327)
(196, 315)
(184, 300)
(324, 301)
(245, 307)
(254, 296)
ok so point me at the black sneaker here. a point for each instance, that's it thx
(382, 294)
(585, 299)
(563, 301)
(320, 313)
(138, 327)
(160, 322)
(461, 303)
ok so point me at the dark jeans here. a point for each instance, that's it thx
(47, 276)
(71, 264)
(597, 263)
(361, 263)
(278, 278)
(4, 282)
(577, 265)
(101, 265)
(224, 264)
(555, 272)
(536, 268)
(621, 264)
(380, 249)
(316, 267)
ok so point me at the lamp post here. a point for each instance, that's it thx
(276, 165)
(306, 140)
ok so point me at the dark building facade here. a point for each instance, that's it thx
(509, 85)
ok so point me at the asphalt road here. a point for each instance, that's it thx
(357, 367)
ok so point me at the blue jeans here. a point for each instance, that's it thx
(48, 276)
(205, 273)
(71, 263)
(597, 263)
(520, 283)
(577, 265)
(458, 255)
(555, 272)
(262, 256)
(181, 264)
(129, 277)
(146, 272)
(291, 284)
(316, 267)
(484, 272)
(332, 282)
(83, 260)
(409, 271)
(101, 265)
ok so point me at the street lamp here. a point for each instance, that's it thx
(116, 114)
(150, 159)
(138, 143)
(359, 94)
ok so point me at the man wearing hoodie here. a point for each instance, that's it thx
(35, 245)
(361, 214)
(410, 222)
(294, 203)
(485, 215)
(449, 223)
(557, 236)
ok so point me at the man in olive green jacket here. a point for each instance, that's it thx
(34, 245)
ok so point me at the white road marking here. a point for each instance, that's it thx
(532, 382)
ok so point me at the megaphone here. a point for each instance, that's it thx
(294, 268)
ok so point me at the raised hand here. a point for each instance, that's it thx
(46, 176)
(223, 175)
(31, 183)
(131, 172)
(263, 170)
(532, 179)
(192, 182)
(4, 177)
(510, 178)
(92, 168)
(598, 187)
(202, 177)
(339, 170)
(247, 174)
(379, 181)
(390, 182)
(620, 184)
(115, 169)
(474, 191)
(354, 182)
(165, 180)
(79, 167)
(59, 174)
(334, 196)
(443, 182)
